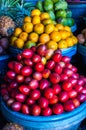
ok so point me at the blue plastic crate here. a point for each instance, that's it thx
(65, 121)
(14, 51)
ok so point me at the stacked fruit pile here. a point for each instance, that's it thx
(38, 28)
(58, 11)
(35, 88)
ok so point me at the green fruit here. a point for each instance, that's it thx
(48, 5)
(39, 5)
(61, 14)
(63, 21)
(47, 21)
(69, 13)
(29, 44)
(52, 15)
(54, 1)
(61, 4)
(70, 22)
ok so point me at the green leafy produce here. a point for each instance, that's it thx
(63, 21)
(52, 14)
(48, 5)
(39, 5)
(70, 22)
(61, 14)
(54, 1)
(61, 5)
(69, 13)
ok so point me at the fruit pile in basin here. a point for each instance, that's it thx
(35, 87)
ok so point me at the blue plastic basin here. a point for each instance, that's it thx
(65, 121)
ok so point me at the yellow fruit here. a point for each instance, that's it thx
(23, 36)
(56, 29)
(75, 40)
(67, 28)
(60, 26)
(47, 21)
(27, 19)
(17, 32)
(55, 36)
(63, 34)
(52, 45)
(28, 27)
(62, 44)
(33, 37)
(49, 28)
(19, 43)
(36, 19)
(12, 40)
(69, 41)
(44, 38)
(44, 16)
(39, 28)
(35, 12)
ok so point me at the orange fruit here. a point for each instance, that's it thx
(28, 27)
(33, 37)
(35, 12)
(52, 45)
(12, 40)
(44, 38)
(39, 28)
(63, 34)
(36, 19)
(69, 41)
(59, 26)
(62, 44)
(75, 40)
(55, 36)
(19, 43)
(49, 28)
(67, 28)
(47, 21)
(23, 36)
(56, 29)
(17, 31)
(44, 16)
(27, 19)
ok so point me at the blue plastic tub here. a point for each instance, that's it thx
(74, 28)
(65, 121)
(82, 51)
(70, 52)
(14, 51)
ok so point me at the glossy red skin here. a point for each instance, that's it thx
(16, 106)
(26, 71)
(80, 81)
(48, 93)
(57, 69)
(19, 78)
(62, 64)
(25, 109)
(39, 67)
(27, 80)
(75, 75)
(53, 100)
(73, 80)
(10, 101)
(57, 57)
(78, 88)
(11, 74)
(47, 111)
(58, 108)
(67, 72)
(33, 48)
(65, 59)
(41, 50)
(19, 57)
(49, 53)
(36, 58)
(44, 83)
(76, 102)
(30, 101)
(67, 86)
(43, 102)
(37, 75)
(35, 110)
(54, 78)
(74, 69)
(27, 53)
(24, 89)
(63, 96)
(35, 94)
(50, 64)
(72, 94)
(33, 84)
(69, 106)
(56, 88)
(20, 97)
(81, 97)
(13, 84)
(46, 73)
(69, 65)
(17, 67)
(11, 65)
(63, 77)
(84, 90)
(28, 62)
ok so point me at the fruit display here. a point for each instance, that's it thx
(38, 28)
(36, 86)
(58, 11)
(4, 43)
(12, 126)
(82, 37)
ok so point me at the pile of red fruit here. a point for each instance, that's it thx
(36, 88)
